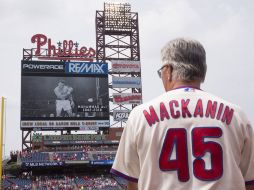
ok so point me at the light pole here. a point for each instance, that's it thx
(1, 136)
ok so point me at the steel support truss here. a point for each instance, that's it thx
(117, 38)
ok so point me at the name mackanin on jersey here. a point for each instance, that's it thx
(179, 109)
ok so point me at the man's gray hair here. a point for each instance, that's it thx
(188, 59)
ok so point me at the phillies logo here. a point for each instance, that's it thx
(66, 49)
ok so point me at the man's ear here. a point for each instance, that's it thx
(169, 73)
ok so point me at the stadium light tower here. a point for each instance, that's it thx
(117, 39)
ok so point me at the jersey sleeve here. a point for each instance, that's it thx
(247, 157)
(126, 164)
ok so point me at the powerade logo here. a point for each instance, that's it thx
(86, 68)
(42, 67)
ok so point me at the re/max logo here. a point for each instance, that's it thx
(86, 68)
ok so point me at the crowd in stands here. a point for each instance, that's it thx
(70, 156)
(65, 183)
(75, 153)
(54, 183)
(104, 156)
(67, 156)
(103, 152)
(83, 148)
(100, 148)
(30, 156)
(96, 183)
(17, 184)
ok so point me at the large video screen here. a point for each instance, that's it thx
(64, 95)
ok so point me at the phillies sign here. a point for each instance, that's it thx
(66, 50)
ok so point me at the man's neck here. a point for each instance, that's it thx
(180, 84)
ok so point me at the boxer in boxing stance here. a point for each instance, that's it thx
(64, 101)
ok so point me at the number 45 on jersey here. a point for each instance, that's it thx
(177, 138)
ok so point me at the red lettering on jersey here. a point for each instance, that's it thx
(185, 108)
(174, 114)
(199, 109)
(200, 146)
(151, 118)
(175, 138)
(211, 109)
(163, 112)
(220, 111)
(227, 115)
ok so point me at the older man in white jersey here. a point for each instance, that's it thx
(186, 139)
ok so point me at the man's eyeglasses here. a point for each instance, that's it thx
(159, 71)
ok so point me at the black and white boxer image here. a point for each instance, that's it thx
(64, 101)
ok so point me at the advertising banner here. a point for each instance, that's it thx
(127, 98)
(126, 82)
(50, 67)
(86, 68)
(125, 66)
(42, 164)
(94, 125)
(74, 137)
(121, 115)
(60, 124)
(59, 95)
(102, 162)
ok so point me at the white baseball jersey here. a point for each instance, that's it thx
(187, 139)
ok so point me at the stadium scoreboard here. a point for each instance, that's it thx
(64, 95)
